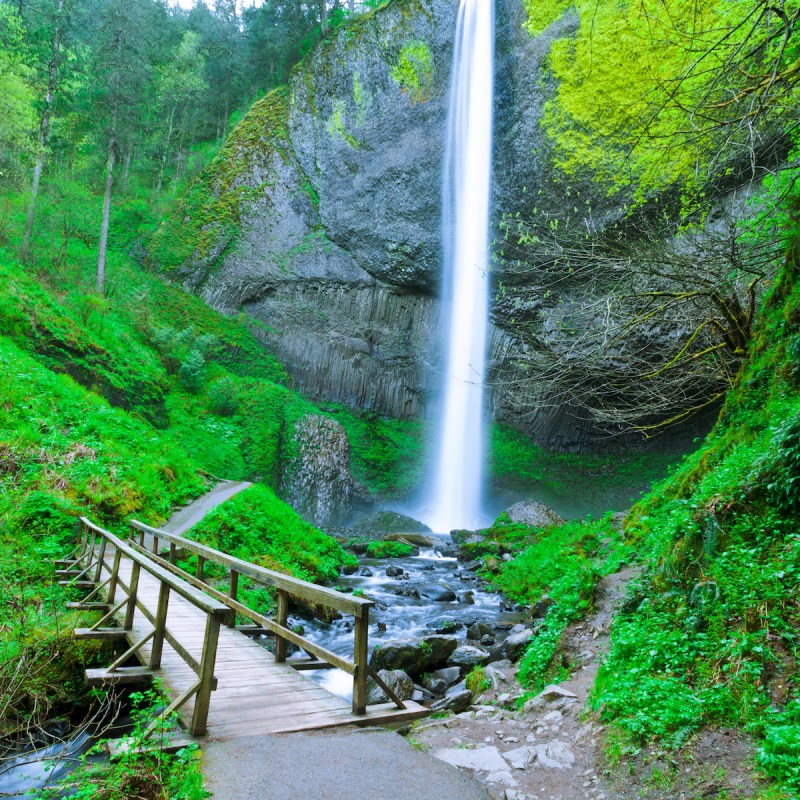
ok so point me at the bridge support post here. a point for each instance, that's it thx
(202, 700)
(360, 658)
(160, 625)
(133, 588)
(281, 617)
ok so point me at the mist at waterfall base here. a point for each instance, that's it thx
(456, 481)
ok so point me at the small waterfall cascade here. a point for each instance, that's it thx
(457, 480)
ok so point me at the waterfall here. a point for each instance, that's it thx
(457, 481)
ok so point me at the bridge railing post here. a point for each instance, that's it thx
(360, 655)
(202, 699)
(100, 560)
(281, 617)
(201, 563)
(112, 584)
(157, 647)
(133, 588)
(234, 595)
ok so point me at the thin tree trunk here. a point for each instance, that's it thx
(112, 156)
(101, 253)
(165, 157)
(126, 170)
(352, 7)
(323, 17)
(44, 129)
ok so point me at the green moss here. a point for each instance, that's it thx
(207, 219)
(413, 72)
(336, 126)
(389, 550)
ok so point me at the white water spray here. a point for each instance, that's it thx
(458, 476)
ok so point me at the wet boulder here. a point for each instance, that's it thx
(479, 629)
(466, 657)
(394, 572)
(414, 539)
(456, 702)
(440, 592)
(397, 680)
(513, 647)
(414, 656)
(440, 680)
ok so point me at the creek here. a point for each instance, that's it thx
(411, 605)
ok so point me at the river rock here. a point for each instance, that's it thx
(394, 572)
(440, 648)
(414, 655)
(317, 482)
(535, 514)
(457, 702)
(408, 590)
(478, 630)
(438, 592)
(397, 680)
(467, 598)
(440, 680)
(482, 759)
(513, 647)
(466, 657)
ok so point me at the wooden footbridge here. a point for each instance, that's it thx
(197, 637)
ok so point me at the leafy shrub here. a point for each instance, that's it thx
(223, 397)
(389, 549)
(477, 680)
(779, 755)
(192, 372)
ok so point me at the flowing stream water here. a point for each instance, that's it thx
(457, 479)
(401, 614)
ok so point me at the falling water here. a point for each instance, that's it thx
(458, 476)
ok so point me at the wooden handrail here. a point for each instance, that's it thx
(194, 596)
(94, 542)
(357, 606)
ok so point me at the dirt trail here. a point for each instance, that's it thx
(548, 751)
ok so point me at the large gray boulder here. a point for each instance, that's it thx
(535, 514)
(414, 656)
(317, 482)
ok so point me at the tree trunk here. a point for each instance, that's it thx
(112, 156)
(165, 157)
(101, 253)
(126, 170)
(44, 129)
(323, 17)
(352, 7)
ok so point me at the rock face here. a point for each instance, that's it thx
(318, 483)
(321, 216)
